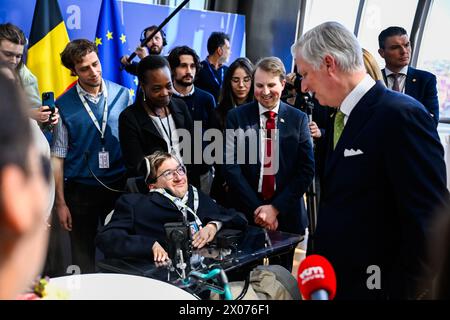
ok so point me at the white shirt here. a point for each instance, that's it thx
(352, 99)
(184, 95)
(262, 139)
(401, 79)
(167, 129)
(90, 96)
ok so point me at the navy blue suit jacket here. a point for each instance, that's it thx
(421, 85)
(378, 200)
(138, 221)
(295, 171)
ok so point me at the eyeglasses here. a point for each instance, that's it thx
(169, 174)
(238, 80)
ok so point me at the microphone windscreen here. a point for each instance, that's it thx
(316, 273)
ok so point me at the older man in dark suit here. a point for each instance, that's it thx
(395, 49)
(383, 180)
(270, 188)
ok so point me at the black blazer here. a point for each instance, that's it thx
(138, 221)
(295, 171)
(422, 86)
(380, 190)
(139, 136)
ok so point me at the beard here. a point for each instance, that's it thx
(185, 81)
(155, 50)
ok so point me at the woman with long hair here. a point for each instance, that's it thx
(237, 88)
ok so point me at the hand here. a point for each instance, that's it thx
(65, 218)
(204, 236)
(159, 254)
(141, 52)
(314, 129)
(55, 117)
(290, 78)
(124, 60)
(41, 115)
(266, 216)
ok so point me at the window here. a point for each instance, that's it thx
(434, 55)
(193, 4)
(319, 11)
(380, 14)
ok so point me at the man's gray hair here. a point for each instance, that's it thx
(330, 38)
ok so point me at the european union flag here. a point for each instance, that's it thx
(111, 42)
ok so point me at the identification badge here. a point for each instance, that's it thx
(103, 159)
(194, 228)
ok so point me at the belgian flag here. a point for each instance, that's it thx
(48, 38)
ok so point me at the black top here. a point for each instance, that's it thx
(210, 79)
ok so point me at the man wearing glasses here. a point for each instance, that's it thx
(137, 225)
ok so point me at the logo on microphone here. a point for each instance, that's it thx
(312, 273)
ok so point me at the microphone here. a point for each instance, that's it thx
(316, 278)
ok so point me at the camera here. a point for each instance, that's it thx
(48, 99)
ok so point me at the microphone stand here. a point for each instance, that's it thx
(311, 194)
(154, 32)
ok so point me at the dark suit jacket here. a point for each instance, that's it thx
(377, 204)
(138, 221)
(295, 172)
(139, 136)
(422, 86)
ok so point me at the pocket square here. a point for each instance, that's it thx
(351, 152)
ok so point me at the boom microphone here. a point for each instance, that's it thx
(316, 278)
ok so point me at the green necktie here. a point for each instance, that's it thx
(338, 127)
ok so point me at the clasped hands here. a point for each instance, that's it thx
(266, 217)
(199, 240)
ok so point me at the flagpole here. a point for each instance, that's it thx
(154, 32)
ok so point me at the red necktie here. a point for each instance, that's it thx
(268, 183)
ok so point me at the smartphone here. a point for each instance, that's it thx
(48, 99)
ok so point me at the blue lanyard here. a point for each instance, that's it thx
(214, 74)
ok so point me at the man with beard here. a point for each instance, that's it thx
(184, 63)
(154, 46)
(86, 143)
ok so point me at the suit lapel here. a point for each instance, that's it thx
(144, 120)
(355, 123)
(411, 82)
(255, 123)
(384, 77)
(177, 115)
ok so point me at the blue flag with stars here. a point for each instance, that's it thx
(111, 42)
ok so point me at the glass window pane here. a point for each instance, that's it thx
(434, 54)
(319, 11)
(380, 14)
(193, 4)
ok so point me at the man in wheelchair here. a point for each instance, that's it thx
(137, 227)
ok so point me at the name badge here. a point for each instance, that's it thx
(194, 228)
(103, 159)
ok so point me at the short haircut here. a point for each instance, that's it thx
(75, 50)
(150, 62)
(272, 65)
(330, 38)
(390, 32)
(175, 53)
(15, 130)
(153, 162)
(216, 40)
